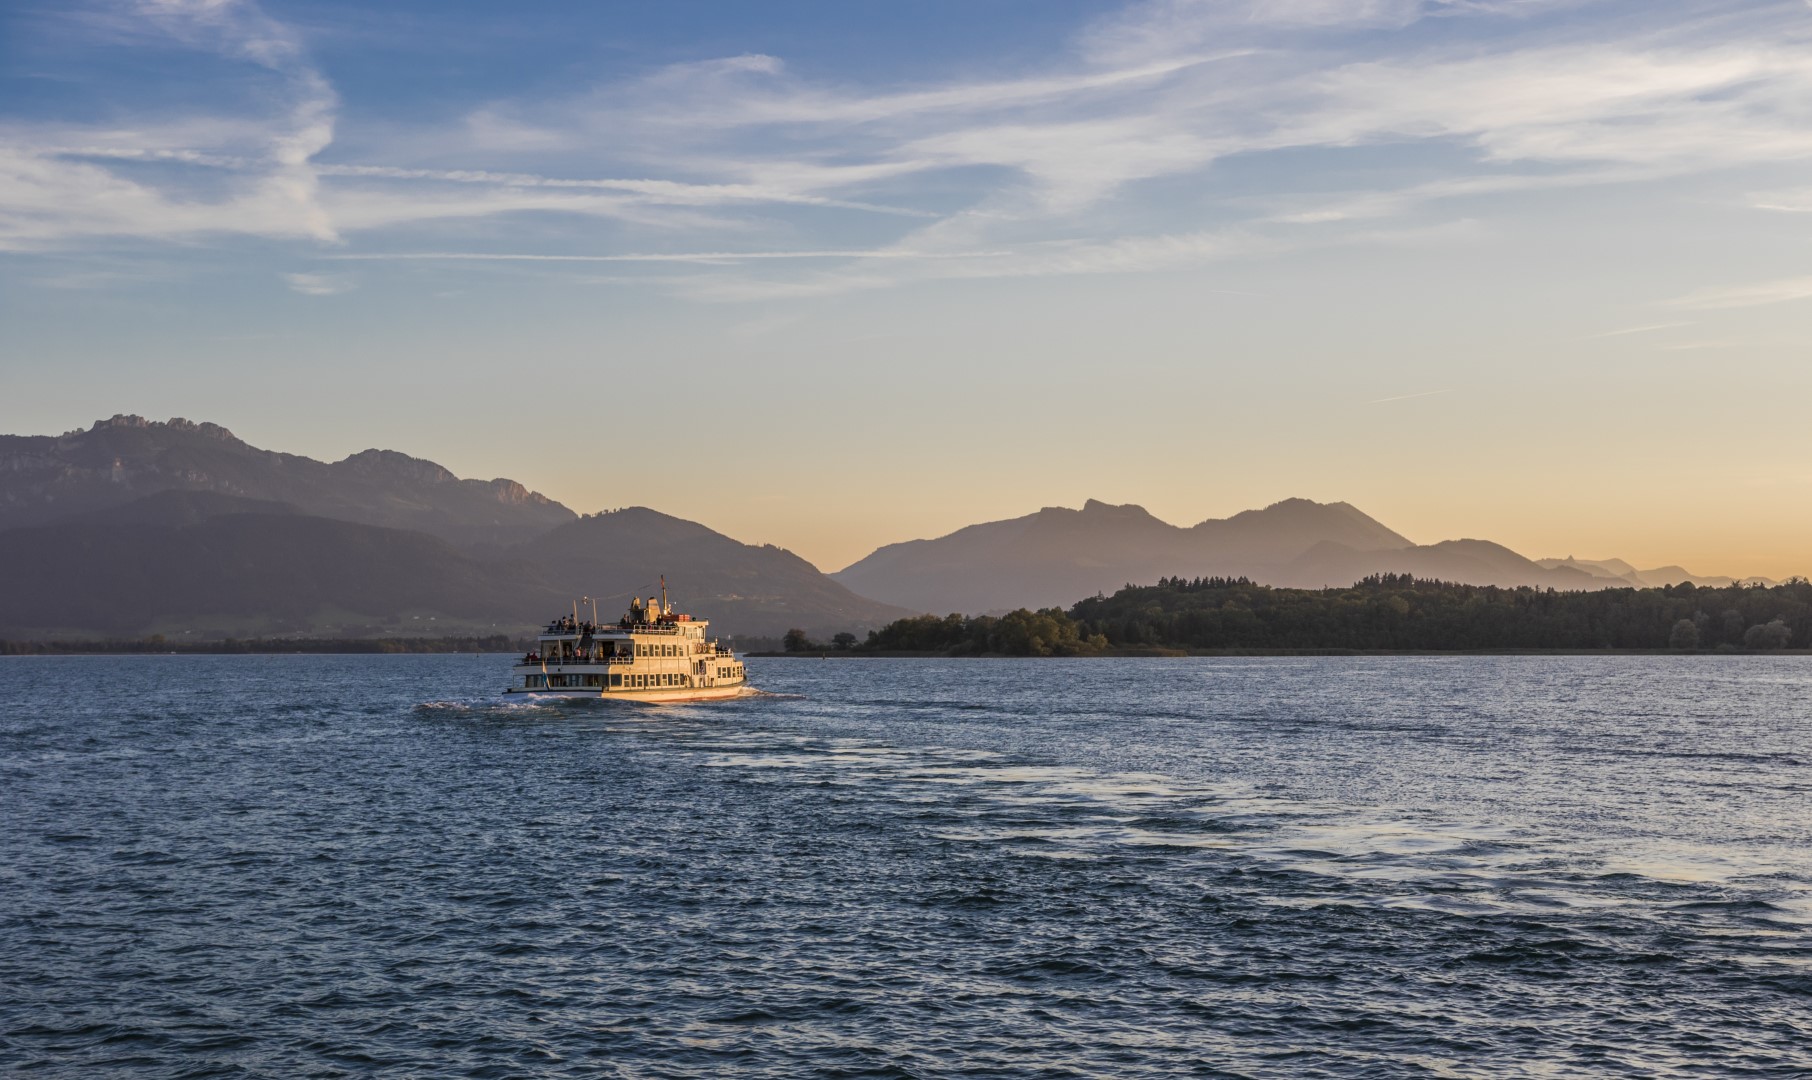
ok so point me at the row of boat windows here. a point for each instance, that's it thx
(598, 682)
(733, 671)
(567, 652)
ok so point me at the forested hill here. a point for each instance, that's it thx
(1383, 613)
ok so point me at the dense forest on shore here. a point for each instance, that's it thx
(1382, 613)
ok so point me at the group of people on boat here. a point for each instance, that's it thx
(566, 624)
(640, 614)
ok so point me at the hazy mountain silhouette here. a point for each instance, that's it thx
(45, 479)
(1646, 579)
(1469, 562)
(1057, 556)
(135, 527)
(216, 565)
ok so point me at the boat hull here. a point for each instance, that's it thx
(672, 695)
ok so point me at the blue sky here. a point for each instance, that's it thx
(1528, 269)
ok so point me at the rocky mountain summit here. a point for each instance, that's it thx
(124, 458)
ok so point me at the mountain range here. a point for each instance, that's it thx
(45, 478)
(135, 527)
(1057, 556)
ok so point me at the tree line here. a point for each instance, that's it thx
(1385, 612)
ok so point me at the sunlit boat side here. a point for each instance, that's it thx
(651, 654)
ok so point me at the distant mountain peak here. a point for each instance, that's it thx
(1298, 505)
(514, 493)
(1097, 508)
(175, 423)
(392, 463)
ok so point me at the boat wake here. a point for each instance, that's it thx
(460, 708)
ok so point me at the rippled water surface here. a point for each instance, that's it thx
(1392, 867)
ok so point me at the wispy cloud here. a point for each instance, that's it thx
(1794, 201)
(1628, 330)
(663, 191)
(1412, 397)
(1043, 171)
(656, 257)
(1695, 346)
(48, 199)
(318, 284)
(1758, 294)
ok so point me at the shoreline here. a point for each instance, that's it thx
(450, 647)
(1153, 653)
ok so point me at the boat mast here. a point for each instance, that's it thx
(663, 595)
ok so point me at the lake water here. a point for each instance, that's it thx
(1392, 867)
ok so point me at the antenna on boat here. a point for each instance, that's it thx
(663, 594)
(594, 611)
(575, 612)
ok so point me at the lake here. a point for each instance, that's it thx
(1282, 867)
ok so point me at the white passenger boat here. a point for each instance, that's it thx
(650, 654)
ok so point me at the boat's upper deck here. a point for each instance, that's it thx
(681, 626)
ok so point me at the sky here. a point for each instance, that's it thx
(833, 275)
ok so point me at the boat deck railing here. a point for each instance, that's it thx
(556, 630)
(715, 654)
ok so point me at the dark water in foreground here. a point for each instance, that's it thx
(1392, 867)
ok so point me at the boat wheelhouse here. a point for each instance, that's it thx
(651, 654)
